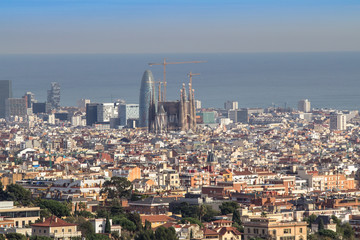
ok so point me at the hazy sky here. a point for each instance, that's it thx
(173, 26)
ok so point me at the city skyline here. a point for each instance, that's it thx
(87, 26)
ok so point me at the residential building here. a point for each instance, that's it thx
(304, 105)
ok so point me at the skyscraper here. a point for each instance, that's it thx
(146, 92)
(5, 93)
(53, 97)
(304, 106)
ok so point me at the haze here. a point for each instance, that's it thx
(178, 26)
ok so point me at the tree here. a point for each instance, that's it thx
(145, 235)
(321, 225)
(163, 233)
(348, 231)
(192, 221)
(236, 217)
(135, 218)
(147, 225)
(210, 213)
(15, 236)
(311, 219)
(228, 207)
(107, 225)
(117, 187)
(18, 194)
(57, 208)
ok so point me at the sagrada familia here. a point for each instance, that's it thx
(164, 116)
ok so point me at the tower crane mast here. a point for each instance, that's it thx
(164, 63)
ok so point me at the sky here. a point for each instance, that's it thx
(178, 26)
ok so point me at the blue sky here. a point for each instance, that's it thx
(172, 26)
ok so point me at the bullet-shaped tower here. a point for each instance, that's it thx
(146, 92)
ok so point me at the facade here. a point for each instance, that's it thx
(147, 94)
(106, 111)
(21, 216)
(39, 107)
(197, 104)
(15, 107)
(53, 97)
(243, 115)
(91, 113)
(55, 228)
(304, 105)
(338, 121)
(231, 105)
(206, 117)
(268, 228)
(174, 115)
(128, 112)
(5, 93)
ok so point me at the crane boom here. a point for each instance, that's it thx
(164, 63)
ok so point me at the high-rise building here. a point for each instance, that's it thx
(338, 121)
(146, 92)
(91, 113)
(82, 104)
(53, 97)
(304, 105)
(128, 112)
(39, 107)
(5, 93)
(106, 111)
(231, 105)
(243, 115)
(197, 104)
(15, 107)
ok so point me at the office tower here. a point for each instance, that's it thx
(338, 121)
(147, 92)
(39, 107)
(243, 115)
(106, 111)
(30, 99)
(197, 104)
(53, 97)
(5, 93)
(128, 112)
(231, 105)
(91, 113)
(304, 105)
(15, 107)
(82, 104)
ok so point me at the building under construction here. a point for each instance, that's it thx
(173, 115)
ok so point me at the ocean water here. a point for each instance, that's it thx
(328, 80)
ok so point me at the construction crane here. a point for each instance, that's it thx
(167, 63)
(190, 75)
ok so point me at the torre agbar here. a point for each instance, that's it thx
(146, 92)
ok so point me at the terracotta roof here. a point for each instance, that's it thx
(156, 218)
(224, 230)
(208, 231)
(53, 221)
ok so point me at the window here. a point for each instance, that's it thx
(44, 231)
(287, 230)
(63, 230)
(274, 232)
(55, 231)
(39, 230)
(300, 230)
(69, 230)
(23, 223)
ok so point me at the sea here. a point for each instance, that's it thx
(327, 79)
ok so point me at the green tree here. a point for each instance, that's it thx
(107, 225)
(145, 235)
(117, 187)
(163, 233)
(18, 194)
(228, 207)
(210, 213)
(348, 231)
(147, 225)
(15, 236)
(328, 233)
(311, 219)
(236, 217)
(135, 218)
(321, 225)
(192, 221)
(57, 208)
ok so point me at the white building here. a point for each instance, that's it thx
(197, 104)
(338, 121)
(231, 105)
(304, 105)
(106, 111)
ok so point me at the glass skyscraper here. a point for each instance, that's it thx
(5, 93)
(146, 91)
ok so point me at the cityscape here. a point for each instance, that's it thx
(170, 166)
